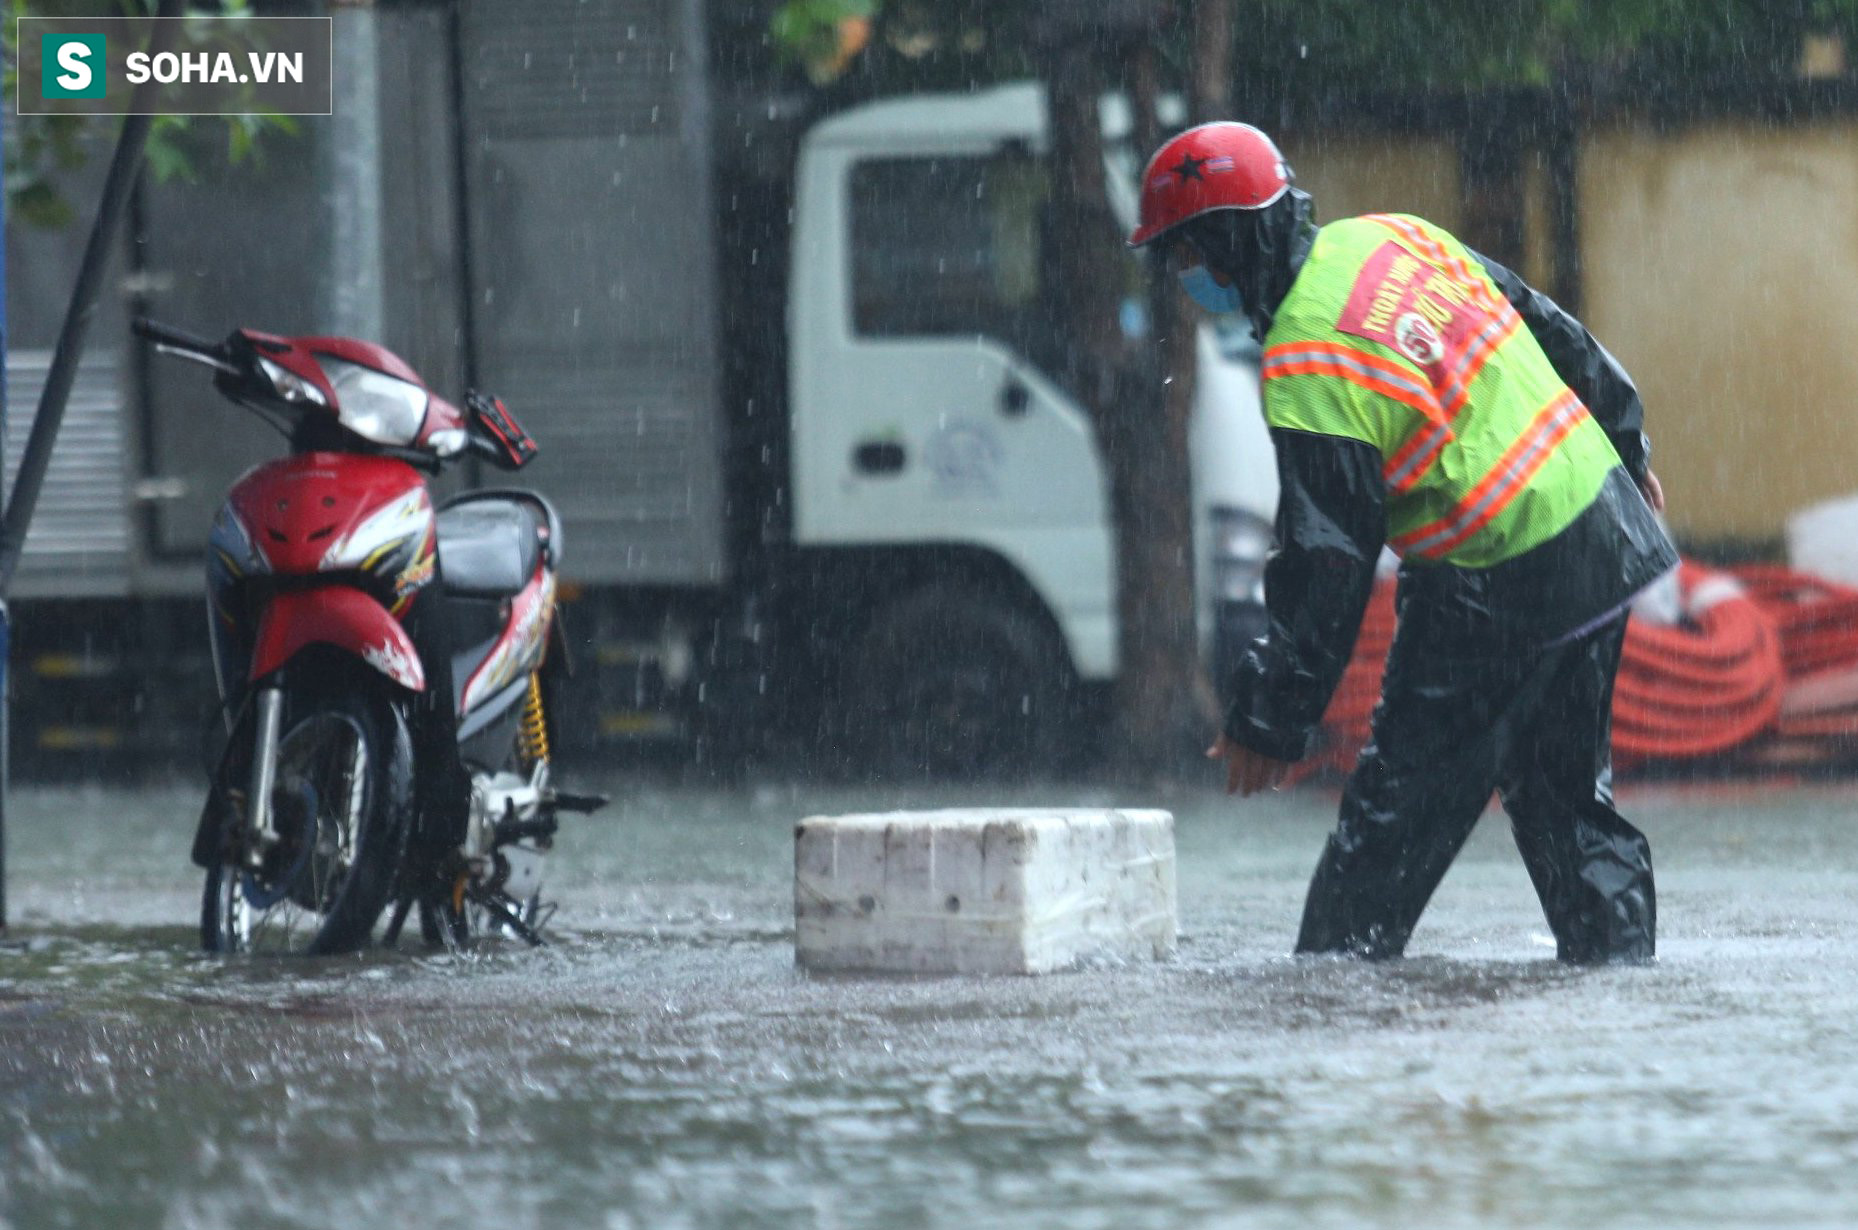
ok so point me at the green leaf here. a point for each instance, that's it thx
(167, 160)
(38, 203)
(238, 142)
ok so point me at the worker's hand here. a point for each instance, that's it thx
(1247, 772)
(1653, 491)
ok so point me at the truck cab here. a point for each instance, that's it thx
(926, 426)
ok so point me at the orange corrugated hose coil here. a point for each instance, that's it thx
(1817, 619)
(1701, 686)
(1818, 625)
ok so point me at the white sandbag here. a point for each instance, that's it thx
(983, 891)
(1823, 540)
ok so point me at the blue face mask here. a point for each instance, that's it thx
(1203, 290)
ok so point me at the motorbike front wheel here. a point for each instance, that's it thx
(341, 806)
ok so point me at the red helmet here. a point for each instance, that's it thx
(1213, 166)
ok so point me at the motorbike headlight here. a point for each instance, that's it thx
(1241, 541)
(291, 387)
(374, 405)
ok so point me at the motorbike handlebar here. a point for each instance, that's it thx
(177, 339)
(510, 449)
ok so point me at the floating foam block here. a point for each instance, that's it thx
(983, 891)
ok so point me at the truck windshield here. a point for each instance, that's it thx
(953, 246)
(962, 246)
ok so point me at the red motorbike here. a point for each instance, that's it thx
(384, 665)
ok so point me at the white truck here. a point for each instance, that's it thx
(924, 424)
(817, 480)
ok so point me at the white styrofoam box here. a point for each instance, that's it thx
(1823, 540)
(983, 891)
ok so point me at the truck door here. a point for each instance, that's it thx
(587, 194)
(921, 325)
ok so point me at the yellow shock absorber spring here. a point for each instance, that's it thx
(532, 731)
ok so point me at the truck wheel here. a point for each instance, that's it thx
(948, 684)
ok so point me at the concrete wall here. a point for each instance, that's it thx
(1417, 175)
(1375, 173)
(1719, 262)
(1721, 265)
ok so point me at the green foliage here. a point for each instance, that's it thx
(821, 35)
(913, 44)
(40, 148)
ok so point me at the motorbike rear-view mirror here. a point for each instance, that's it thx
(496, 434)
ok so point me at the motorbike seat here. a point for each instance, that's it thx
(489, 548)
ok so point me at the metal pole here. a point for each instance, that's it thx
(124, 164)
(357, 301)
(6, 703)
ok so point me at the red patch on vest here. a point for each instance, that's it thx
(1421, 311)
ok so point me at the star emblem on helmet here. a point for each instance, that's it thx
(1188, 168)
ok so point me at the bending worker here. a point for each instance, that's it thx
(1425, 398)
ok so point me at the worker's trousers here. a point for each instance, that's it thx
(1535, 727)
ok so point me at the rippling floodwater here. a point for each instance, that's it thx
(664, 1065)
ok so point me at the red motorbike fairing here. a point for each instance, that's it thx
(519, 648)
(296, 509)
(297, 355)
(340, 616)
(441, 415)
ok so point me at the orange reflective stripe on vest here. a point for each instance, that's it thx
(1439, 406)
(1457, 376)
(1370, 371)
(1409, 464)
(1493, 493)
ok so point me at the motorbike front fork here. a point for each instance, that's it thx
(268, 716)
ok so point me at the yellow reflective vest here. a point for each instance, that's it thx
(1393, 334)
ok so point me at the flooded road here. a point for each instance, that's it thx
(664, 1065)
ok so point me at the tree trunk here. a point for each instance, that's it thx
(1162, 705)
(1211, 67)
(1491, 149)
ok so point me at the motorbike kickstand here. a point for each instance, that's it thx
(398, 920)
(495, 906)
